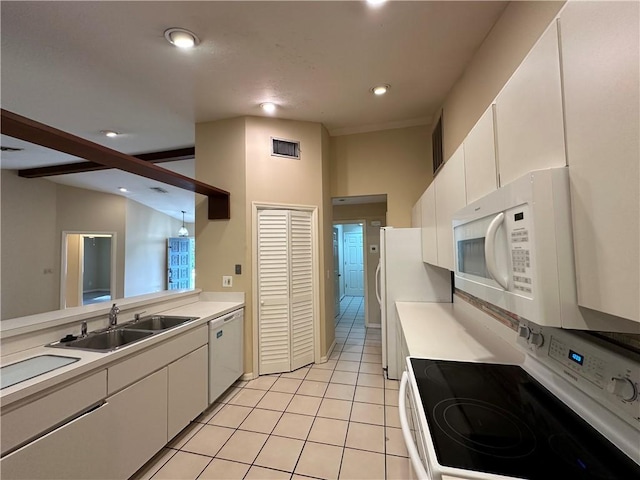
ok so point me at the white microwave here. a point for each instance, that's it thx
(514, 249)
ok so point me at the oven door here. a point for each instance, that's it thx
(411, 430)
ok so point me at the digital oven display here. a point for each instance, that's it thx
(576, 357)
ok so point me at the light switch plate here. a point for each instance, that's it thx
(227, 281)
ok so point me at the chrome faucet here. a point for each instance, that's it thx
(113, 316)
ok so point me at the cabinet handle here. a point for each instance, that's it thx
(57, 426)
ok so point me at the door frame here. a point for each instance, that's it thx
(315, 256)
(63, 261)
(363, 222)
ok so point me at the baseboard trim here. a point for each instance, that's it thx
(374, 325)
(325, 358)
(247, 376)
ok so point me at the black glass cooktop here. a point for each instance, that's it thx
(498, 419)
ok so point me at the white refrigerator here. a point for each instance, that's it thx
(402, 276)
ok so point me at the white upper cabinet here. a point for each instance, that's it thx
(428, 225)
(480, 158)
(600, 52)
(529, 120)
(450, 197)
(416, 215)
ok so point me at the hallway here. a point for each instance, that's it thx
(337, 419)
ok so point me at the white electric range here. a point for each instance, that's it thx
(569, 410)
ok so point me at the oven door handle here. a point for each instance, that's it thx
(418, 467)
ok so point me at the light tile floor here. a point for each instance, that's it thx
(337, 419)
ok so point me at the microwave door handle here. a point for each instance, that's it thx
(378, 294)
(490, 251)
(418, 467)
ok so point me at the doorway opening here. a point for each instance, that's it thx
(88, 268)
(348, 258)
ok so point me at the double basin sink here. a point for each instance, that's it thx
(125, 334)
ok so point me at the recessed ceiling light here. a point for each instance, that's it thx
(109, 133)
(268, 107)
(380, 89)
(375, 3)
(181, 38)
(123, 190)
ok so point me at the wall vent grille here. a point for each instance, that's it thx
(285, 148)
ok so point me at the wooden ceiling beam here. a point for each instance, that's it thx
(81, 167)
(23, 128)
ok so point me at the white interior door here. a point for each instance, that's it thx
(301, 244)
(354, 266)
(273, 291)
(285, 290)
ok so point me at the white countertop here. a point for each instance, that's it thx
(88, 361)
(456, 331)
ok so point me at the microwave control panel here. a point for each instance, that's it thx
(517, 222)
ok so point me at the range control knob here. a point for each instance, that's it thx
(622, 387)
(536, 339)
(524, 332)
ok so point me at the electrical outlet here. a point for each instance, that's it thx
(227, 281)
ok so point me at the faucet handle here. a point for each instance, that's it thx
(136, 316)
(83, 329)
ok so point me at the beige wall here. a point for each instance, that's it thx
(511, 38)
(80, 210)
(285, 181)
(28, 246)
(393, 162)
(35, 212)
(327, 326)
(72, 284)
(221, 244)
(145, 252)
(370, 212)
(235, 155)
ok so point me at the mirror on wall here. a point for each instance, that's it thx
(38, 214)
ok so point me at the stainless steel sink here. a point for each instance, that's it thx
(105, 341)
(157, 322)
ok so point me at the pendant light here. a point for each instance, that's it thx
(183, 232)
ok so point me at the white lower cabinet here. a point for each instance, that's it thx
(187, 390)
(111, 441)
(138, 428)
(76, 450)
(152, 395)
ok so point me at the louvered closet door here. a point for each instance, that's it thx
(301, 289)
(273, 285)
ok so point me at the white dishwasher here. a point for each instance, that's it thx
(226, 358)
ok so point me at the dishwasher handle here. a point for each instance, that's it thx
(418, 467)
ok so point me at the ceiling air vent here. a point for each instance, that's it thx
(285, 148)
(11, 149)
(159, 189)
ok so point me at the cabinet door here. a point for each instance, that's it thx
(188, 390)
(428, 225)
(138, 427)
(416, 219)
(480, 158)
(600, 53)
(78, 449)
(529, 122)
(450, 197)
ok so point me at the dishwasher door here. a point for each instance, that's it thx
(226, 358)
